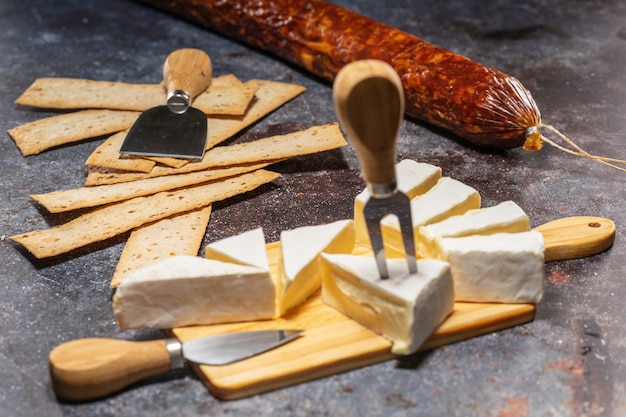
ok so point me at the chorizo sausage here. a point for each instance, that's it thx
(480, 104)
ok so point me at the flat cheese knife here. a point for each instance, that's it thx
(176, 129)
(87, 369)
(369, 101)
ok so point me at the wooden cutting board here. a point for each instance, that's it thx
(333, 343)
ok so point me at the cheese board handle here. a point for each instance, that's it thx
(186, 73)
(576, 237)
(369, 101)
(87, 369)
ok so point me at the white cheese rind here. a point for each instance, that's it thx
(247, 248)
(503, 267)
(413, 179)
(405, 308)
(447, 198)
(300, 267)
(506, 217)
(190, 290)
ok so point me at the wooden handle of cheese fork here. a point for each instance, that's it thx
(369, 101)
(186, 73)
(576, 237)
(86, 369)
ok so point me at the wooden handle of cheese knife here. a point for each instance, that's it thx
(576, 237)
(369, 101)
(187, 70)
(87, 369)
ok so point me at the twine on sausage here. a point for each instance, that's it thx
(534, 144)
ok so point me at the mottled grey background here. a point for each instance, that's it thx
(569, 361)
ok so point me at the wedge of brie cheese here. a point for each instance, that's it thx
(301, 272)
(413, 179)
(503, 267)
(447, 198)
(405, 308)
(247, 248)
(506, 217)
(191, 290)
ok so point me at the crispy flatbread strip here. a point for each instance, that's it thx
(269, 96)
(177, 235)
(226, 95)
(312, 140)
(107, 154)
(85, 197)
(109, 221)
(35, 137)
(167, 161)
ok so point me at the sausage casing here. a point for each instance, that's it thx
(480, 104)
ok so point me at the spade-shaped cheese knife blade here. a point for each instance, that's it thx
(176, 129)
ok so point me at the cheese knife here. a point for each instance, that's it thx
(176, 129)
(87, 369)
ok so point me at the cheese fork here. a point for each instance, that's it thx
(369, 102)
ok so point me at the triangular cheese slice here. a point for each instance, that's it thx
(448, 198)
(413, 179)
(247, 248)
(506, 217)
(301, 273)
(191, 290)
(405, 308)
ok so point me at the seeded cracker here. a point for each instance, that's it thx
(107, 154)
(230, 96)
(109, 221)
(272, 149)
(86, 197)
(178, 235)
(35, 137)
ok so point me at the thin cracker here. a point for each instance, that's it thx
(177, 235)
(167, 161)
(112, 220)
(35, 137)
(312, 140)
(86, 197)
(107, 154)
(78, 93)
(227, 95)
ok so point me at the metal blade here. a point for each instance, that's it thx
(160, 132)
(375, 209)
(232, 347)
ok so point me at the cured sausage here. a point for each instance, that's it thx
(480, 104)
(477, 103)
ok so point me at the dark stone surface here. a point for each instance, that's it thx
(569, 361)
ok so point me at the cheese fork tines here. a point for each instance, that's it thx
(369, 101)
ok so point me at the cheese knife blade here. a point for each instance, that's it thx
(87, 369)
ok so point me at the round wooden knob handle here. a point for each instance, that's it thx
(186, 73)
(369, 102)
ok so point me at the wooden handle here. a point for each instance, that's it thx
(86, 369)
(576, 237)
(187, 70)
(369, 102)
